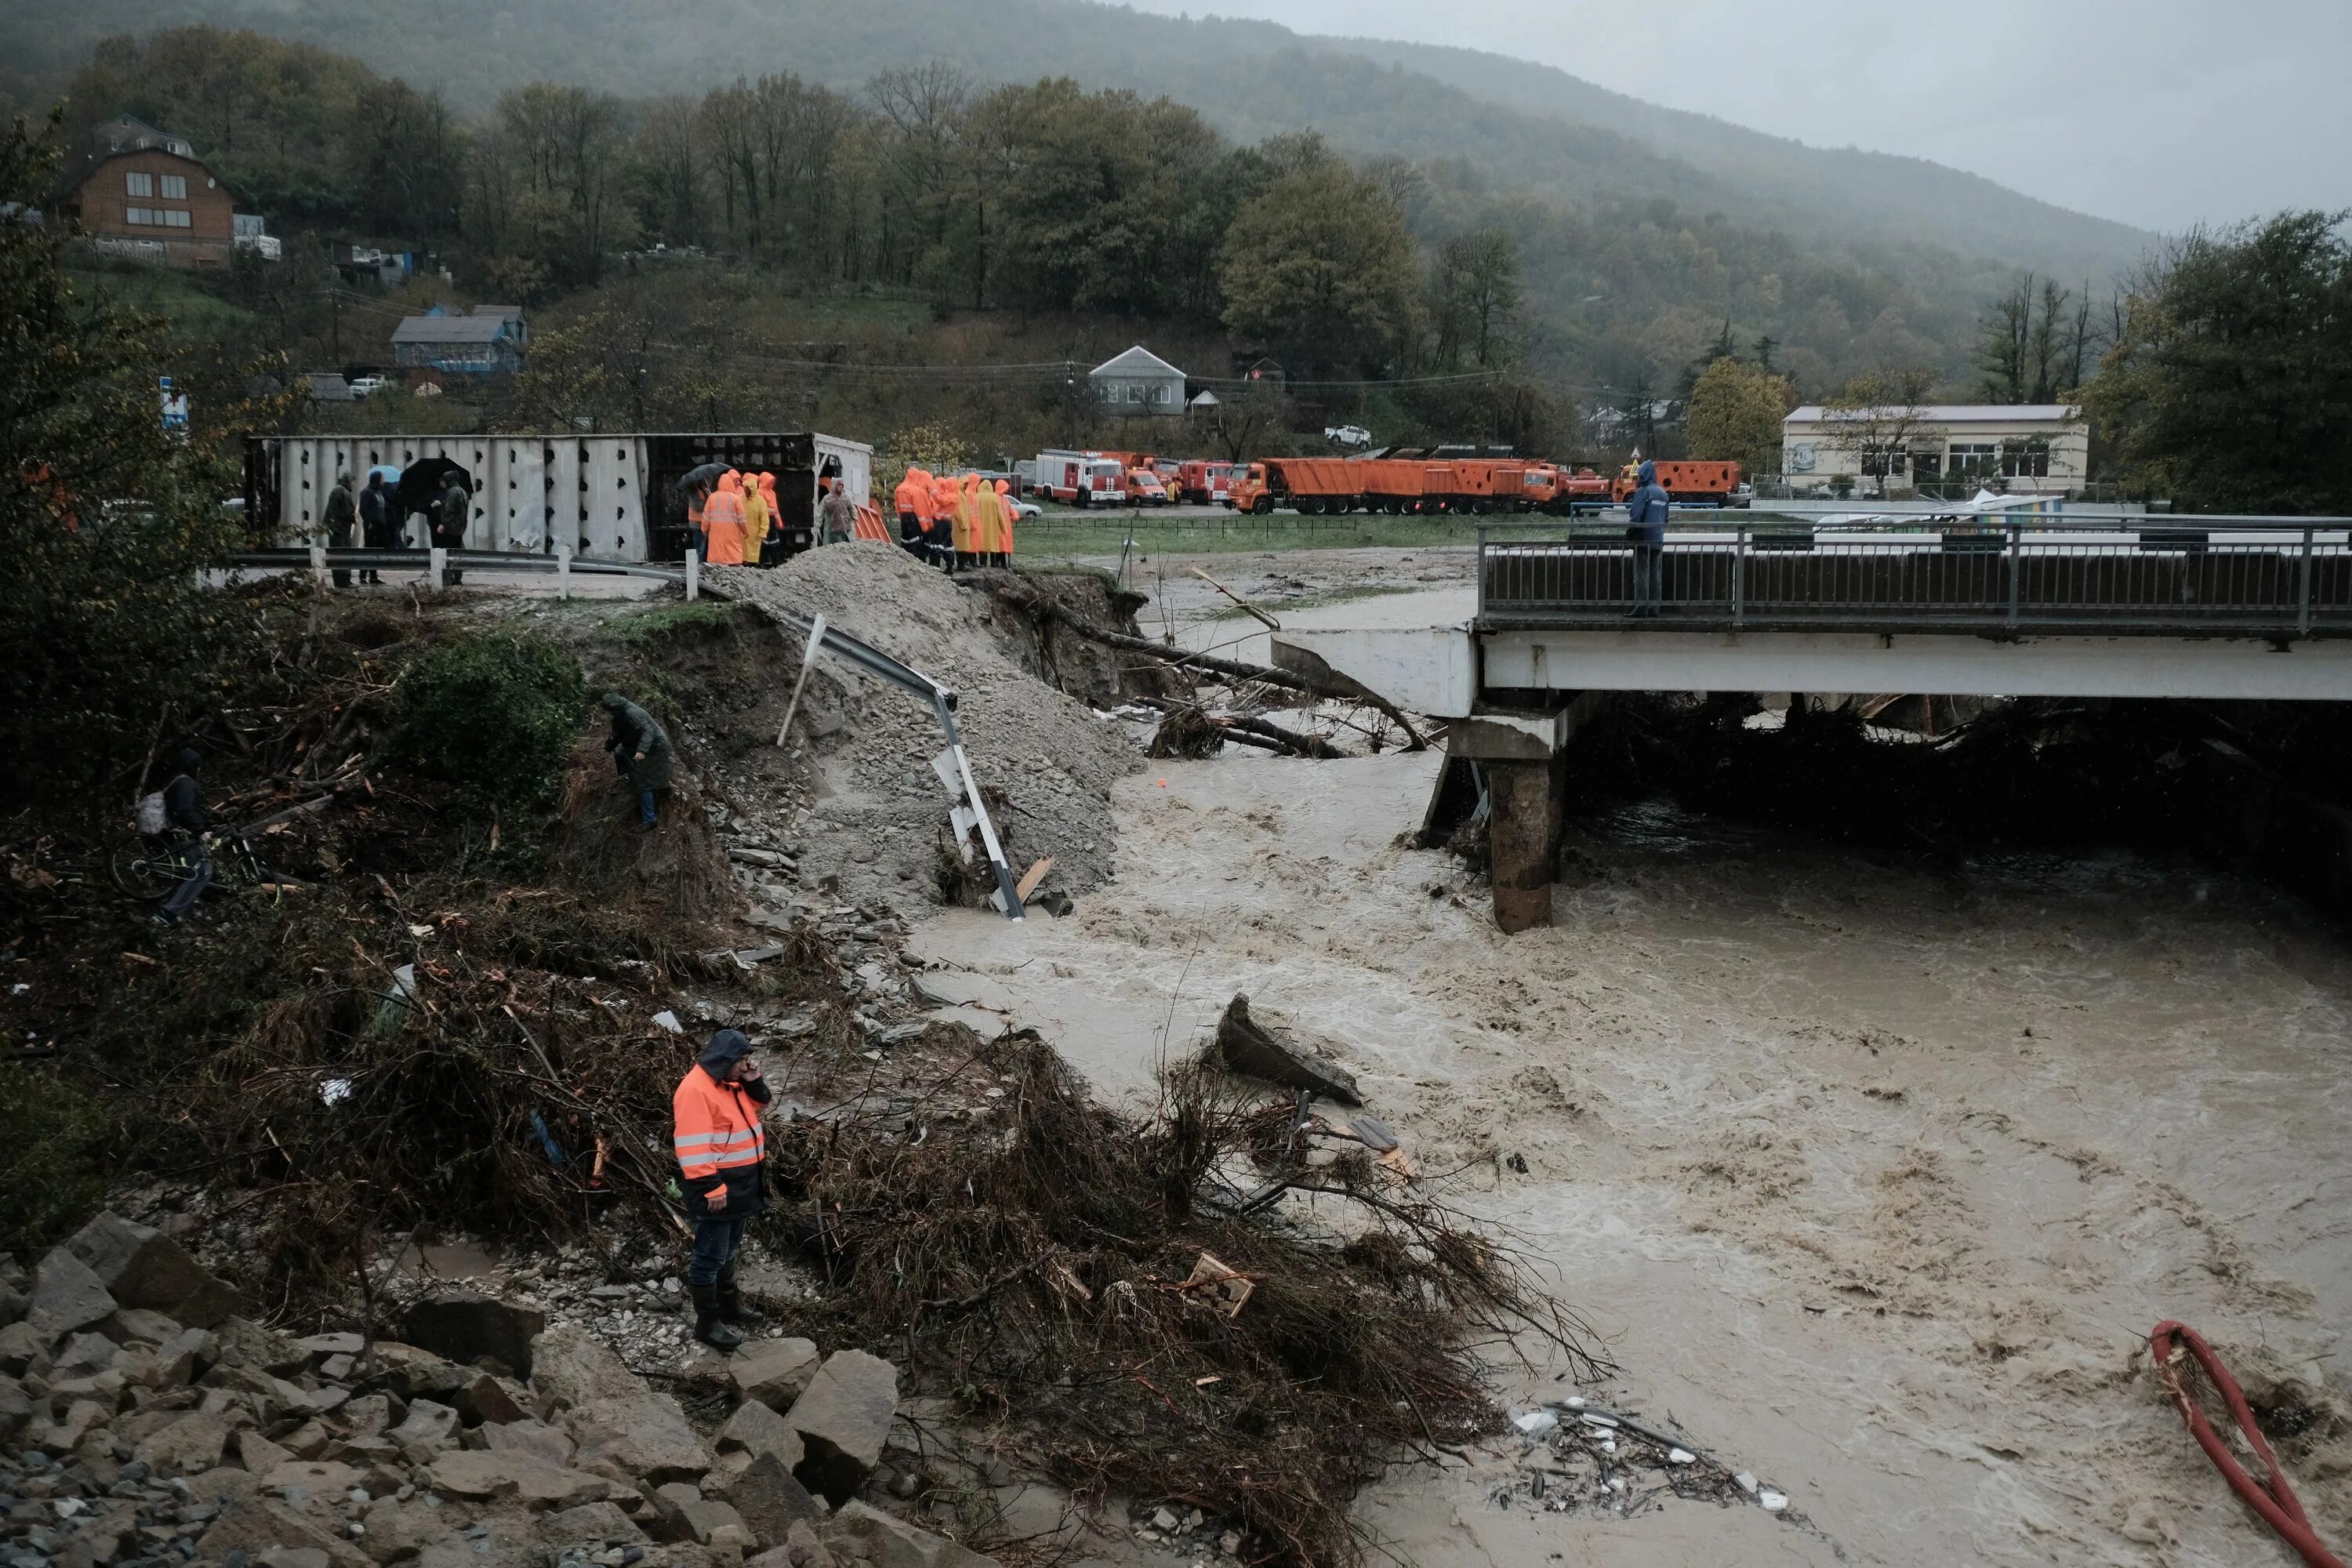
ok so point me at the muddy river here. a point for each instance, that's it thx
(1872, 1178)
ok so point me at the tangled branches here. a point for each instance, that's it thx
(1041, 1261)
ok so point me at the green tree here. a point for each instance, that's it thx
(2230, 387)
(1475, 299)
(1320, 267)
(1735, 413)
(108, 637)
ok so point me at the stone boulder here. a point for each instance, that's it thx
(532, 1440)
(260, 1526)
(773, 1371)
(622, 1426)
(466, 1326)
(755, 1429)
(842, 1421)
(429, 1430)
(883, 1542)
(141, 1267)
(194, 1442)
(481, 1476)
(67, 1296)
(770, 1501)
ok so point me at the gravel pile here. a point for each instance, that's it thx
(1045, 759)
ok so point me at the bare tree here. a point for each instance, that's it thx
(1881, 421)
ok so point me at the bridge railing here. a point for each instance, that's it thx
(2180, 575)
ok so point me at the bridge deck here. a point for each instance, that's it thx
(2262, 581)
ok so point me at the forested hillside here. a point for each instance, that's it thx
(1524, 125)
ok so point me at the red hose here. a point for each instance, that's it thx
(2271, 1497)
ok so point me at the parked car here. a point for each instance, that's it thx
(1144, 488)
(367, 386)
(1024, 509)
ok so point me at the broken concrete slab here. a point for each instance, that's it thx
(141, 1267)
(1269, 1049)
(773, 1371)
(843, 1419)
(466, 1326)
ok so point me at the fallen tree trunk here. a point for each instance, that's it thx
(1044, 609)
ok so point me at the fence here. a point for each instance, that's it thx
(2264, 576)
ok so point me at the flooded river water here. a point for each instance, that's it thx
(1874, 1178)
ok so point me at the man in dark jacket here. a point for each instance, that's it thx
(341, 513)
(721, 1146)
(183, 810)
(640, 749)
(377, 529)
(1646, 511)
(450, 515)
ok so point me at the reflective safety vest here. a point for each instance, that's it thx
(718, 1138)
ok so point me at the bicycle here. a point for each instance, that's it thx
(149, 869)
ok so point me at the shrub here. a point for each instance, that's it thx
(50, 1181)
(495, 715)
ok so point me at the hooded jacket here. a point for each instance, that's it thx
(757, 510)
(1646, 509)
(722, 520)
(634, 730)
(717, 1133)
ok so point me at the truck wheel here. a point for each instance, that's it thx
(1263, 507)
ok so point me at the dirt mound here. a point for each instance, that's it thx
(678, 871)
(876, 824)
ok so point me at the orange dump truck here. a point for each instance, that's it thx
(1684, 481)
(1550, 487)
(1326, 486)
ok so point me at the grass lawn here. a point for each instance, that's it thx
(1073, 535)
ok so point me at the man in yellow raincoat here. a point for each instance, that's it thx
(757, 513)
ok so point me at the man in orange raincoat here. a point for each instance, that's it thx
(772, 550)
(946, 496)
(909, 501)
(1005, 513)
(722, 520)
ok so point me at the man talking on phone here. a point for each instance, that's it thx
(720, 1145)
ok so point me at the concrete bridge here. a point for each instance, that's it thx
(2212, 608)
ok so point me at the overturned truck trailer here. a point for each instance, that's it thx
(611, 497)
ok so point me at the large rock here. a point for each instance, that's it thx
(141, 1267)
(20, 1346)
(593, 1524)
(842, 1421)
(429, 1430)
(193, 1443)
(466, 1326)
(773, 1371)
(770, 1499)
(258, 1526)
(67, 1296)
(682, 1514)
(756, 1429)
(623, 1427)
(484, 1476)
(529, 1438)
(858, 1530)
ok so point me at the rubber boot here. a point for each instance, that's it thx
(731, 1309)
(707, 1327)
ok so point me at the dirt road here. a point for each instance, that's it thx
(1874, 1178)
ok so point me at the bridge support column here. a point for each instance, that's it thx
(1522, 840)
(1519, 753)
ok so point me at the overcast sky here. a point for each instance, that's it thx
(2158, 112)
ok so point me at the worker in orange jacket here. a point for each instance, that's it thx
(946, 495)
(1005, 513)
(720, 1145)
(775, 522)
(906, 499)
(722, 520)
(967, 543)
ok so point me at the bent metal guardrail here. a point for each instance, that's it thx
(2190, 576)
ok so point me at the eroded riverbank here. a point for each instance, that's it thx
(1874, 1177)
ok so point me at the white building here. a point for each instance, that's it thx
(2030, 448)
(1139, 382)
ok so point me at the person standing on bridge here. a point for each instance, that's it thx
(1646, 510)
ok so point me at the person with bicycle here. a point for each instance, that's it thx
(190, 825)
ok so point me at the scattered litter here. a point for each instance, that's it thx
(1681, 1457)
(420, 930)
(1536, 1423)
(18, 990)
(668, 1020)
(1773, 1501)
(1594, 1419)
(1371, 1133)
(1747, 1482)
(335, 1090)
(749, 956)
(393, 1013)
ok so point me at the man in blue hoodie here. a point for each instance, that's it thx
(1645, 524)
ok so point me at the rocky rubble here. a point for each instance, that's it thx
(145, 1425)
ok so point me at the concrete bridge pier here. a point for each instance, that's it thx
(1520, 755)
